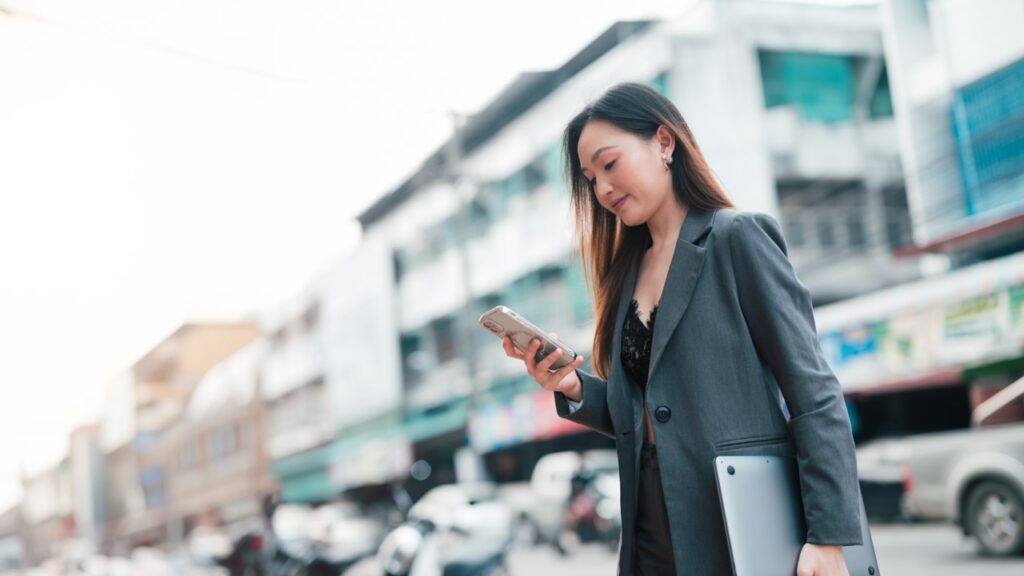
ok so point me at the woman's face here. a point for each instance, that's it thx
(627, 173)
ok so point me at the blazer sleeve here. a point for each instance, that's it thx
(778, 312)
(592, 410)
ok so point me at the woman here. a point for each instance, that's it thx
(705, 344)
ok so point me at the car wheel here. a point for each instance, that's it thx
(996, 516)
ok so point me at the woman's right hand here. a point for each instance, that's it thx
(563, 380)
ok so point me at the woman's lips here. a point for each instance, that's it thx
(619, 203)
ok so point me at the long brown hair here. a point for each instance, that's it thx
(606, 247)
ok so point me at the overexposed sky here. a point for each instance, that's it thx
(163, 162)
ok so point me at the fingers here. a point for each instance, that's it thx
(539, 370)
(531, 357)
(550, 359)
(554, 380)
(510, 349)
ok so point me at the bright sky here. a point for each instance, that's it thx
(163, 162)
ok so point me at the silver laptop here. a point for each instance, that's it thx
(764, 518)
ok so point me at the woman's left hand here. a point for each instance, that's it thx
(821, 560)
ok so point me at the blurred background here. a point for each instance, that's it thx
(244, 246)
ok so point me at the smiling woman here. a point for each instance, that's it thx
(633, 168)
(734, 334)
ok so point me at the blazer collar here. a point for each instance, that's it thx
(687, 261)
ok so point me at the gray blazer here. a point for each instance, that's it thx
(735, 329)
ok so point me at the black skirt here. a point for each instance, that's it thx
(652, 545)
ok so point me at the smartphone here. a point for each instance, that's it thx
(503, 321)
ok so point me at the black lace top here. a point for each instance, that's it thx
(636, 344)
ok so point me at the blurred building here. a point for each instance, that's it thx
(789, 102)
(63, 506)
(298, 424)
(86, 468)
(122, 493)
(791, 105)
(922, 356)
(958, 74)
(334, 420)
(47, 511)
(12, 543)
(162, 384)
(219, 468)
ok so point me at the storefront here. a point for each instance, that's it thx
(921, 357)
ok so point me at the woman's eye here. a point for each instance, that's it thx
(608, 166)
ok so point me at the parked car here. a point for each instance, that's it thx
(883, 469)
(974, 477)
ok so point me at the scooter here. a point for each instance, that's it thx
(451, 531)
(592, 513)
(209, 546)
(325, 541)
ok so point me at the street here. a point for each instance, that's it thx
(903, 550)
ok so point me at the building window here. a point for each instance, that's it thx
(410, 346)
(223, 442)
(880, 104)
(821, 86)
(794, 232)
(987, 117)
(188, 456)
(826, 235)
(660, 83)
(444, 338)
(855, 230)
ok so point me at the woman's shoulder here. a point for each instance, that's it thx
(728, 219)
(750, 231)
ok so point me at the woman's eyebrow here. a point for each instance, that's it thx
(597, 153)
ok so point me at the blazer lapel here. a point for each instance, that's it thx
(680, 282)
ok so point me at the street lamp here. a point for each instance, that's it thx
(468, 461)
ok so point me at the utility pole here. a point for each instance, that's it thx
(468, 462)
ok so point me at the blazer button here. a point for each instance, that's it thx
(662, 414)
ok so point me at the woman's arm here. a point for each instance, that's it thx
(592, 408)
(778, 312)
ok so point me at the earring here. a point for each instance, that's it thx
(667, 159)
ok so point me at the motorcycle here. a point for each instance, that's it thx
(454, 530)
(592, 513)
(243, 556)
(325, 541)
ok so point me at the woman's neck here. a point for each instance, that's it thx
(664, 227)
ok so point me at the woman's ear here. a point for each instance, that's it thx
(666, 140)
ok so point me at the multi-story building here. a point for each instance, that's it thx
(122, 494)
(219, 468)
(86, 469)
(789, 102)
(162, 383)
(332, 384)
(920, 357)
(958, 78)
(12, 541)
(298, 425)
(47, 511)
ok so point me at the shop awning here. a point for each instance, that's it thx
(437, 421)
(304, 476)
